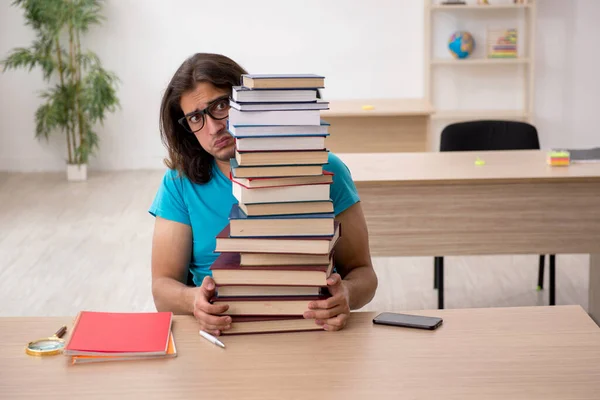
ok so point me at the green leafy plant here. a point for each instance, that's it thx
(82, 92)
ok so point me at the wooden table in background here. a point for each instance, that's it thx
(443, 204)
(393, 125)
(506, 353)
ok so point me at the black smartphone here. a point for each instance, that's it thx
(408, 321)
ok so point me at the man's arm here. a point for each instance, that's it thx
(356, 283)
(353, 257)
(171, 250)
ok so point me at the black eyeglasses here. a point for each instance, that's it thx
(217, 109)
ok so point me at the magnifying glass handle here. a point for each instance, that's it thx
(61, 332)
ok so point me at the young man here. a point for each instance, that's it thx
(193, 203)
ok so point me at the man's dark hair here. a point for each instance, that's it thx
(186, 155)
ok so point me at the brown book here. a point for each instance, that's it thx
(288, 208)
(267, 305)
(226, 270)
(283, 245)
(273, 324)
(249, 290)
(275, 171)
(288, 157)
(241, 225)
(260, 259)
(253, 183)
(283, 81)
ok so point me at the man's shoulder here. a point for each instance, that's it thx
(335, 165)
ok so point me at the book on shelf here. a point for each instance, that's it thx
(270, 324)
(285, 81)
(317, 105)
(283, 245)
(241, 94)
(318, 192)
(274, 157)
(241, 225)
(105, 336)
(273, 171)
(227, 270)
(263, 130)
(502, 43)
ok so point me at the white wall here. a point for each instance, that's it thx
(365, 49)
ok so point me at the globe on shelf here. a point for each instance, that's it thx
(461, 44)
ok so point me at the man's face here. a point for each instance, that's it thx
(213, 136)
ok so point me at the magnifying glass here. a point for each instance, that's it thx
(47, 346)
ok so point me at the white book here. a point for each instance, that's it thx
(295, 117)
(281, 194)
(320, 105)
(242, 94)
(262, 130)
(280, 143)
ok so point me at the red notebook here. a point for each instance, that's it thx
(102, 333)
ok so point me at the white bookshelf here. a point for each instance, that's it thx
(523, 66)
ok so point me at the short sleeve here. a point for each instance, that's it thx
(169, 202)
(343, 190)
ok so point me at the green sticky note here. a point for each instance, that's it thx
(479, 161)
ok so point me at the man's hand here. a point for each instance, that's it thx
(206, 313)
(332, 313)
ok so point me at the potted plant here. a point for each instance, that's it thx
(81, 92)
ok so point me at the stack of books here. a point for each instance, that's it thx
(502, 43)
(277, 250)
(105, 336)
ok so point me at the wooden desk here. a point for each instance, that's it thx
(392, 125)
(512, 353)
(442, 204)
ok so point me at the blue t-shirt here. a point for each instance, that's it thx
(205, 207)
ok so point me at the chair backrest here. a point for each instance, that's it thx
(489, 135)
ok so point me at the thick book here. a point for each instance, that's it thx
(267, 290)
(282, 245)
(280, 143)
(318, 105)
(274, 171)
(242, 94)
(288, 157)
(261, 259)
(319, 192)
(267, 305)
(286, 81)
(287, 208)
(226, 270)
(263, 130)
(242, 225)
(290, 117)
(123, 334)
(270, 324)
(254, 183)
(83, 359)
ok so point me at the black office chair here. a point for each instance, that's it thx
(190, 279)
(491, 135)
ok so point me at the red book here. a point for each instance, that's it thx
(102, 333)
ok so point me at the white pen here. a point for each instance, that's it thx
(211, 339)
